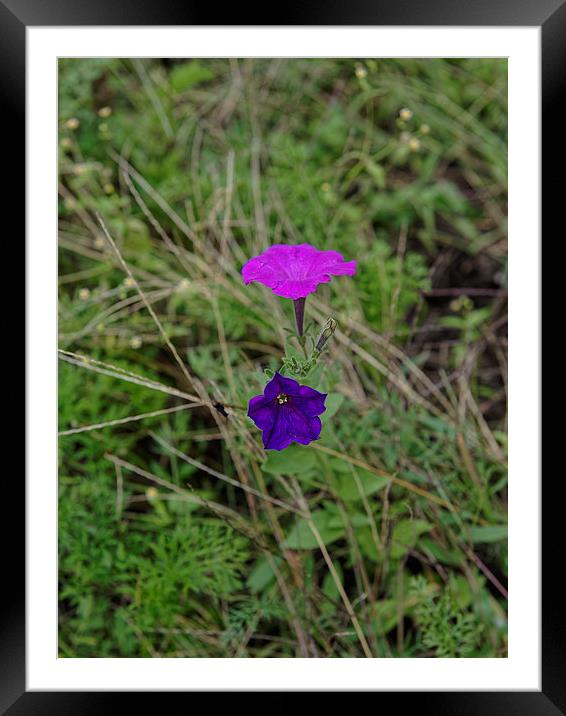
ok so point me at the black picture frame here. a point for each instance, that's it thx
(550, 15)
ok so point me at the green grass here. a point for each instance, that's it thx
(178, 535)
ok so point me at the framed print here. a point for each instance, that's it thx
(282, 429)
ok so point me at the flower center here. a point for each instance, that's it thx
(282, 398)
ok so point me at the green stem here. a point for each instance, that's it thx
(299, 305)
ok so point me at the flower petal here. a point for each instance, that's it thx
(262, 412)
(296, 288)
(277, 437)
(315, 427)
(280, 384)
(302, 428)
(291, 424)
(310, 401)
(294, 271)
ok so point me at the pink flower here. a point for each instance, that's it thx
(295, 271)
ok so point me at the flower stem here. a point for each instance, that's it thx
(299, 305)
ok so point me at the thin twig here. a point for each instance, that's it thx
(129, 419)
(149, 307)
(397, 480)
(214, 473)
(339, 587)
(119, 490)
(116, 372)
(154, 98)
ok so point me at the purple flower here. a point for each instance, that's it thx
(295, 271)
(287, 412)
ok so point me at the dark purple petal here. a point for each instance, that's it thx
(315, 427)
(302, 428)
(291, 424)
(305, 391)
(277, 438)
(310, 404)
(262, 412)
(279, 384)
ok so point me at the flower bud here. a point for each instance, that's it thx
(326, 334)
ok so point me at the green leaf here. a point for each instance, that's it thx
(489, 533)
(291, 350)
(356, 520)
(302, 537)
(377, 172)
(450, 557)
(262, 574)
(329, 585)
(406, 534)
(291, 461)
(189, 74)
(369, 483)
(386, 615)
(313, 380)
(333, 402)
(451, 321)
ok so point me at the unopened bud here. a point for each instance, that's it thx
(326, 334)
